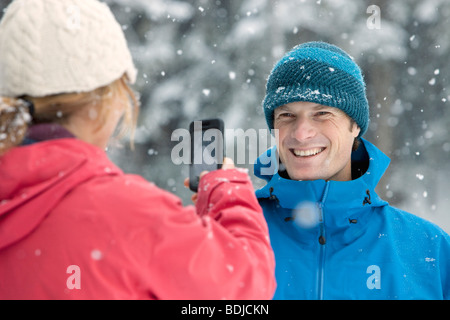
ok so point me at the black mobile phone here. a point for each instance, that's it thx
(207, 148)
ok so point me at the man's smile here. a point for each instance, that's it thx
(307, 152)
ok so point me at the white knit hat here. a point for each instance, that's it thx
(60, 46)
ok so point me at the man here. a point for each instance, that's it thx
(333, 236)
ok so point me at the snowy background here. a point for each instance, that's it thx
(207, 58)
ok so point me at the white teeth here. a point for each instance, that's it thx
(307, 153)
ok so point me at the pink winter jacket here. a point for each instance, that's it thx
(74, 226)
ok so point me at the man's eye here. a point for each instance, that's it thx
(322, 113)
(285, 115)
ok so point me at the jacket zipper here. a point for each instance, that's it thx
(322, 242)
(322, 247)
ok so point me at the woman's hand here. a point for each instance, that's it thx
(227, 164)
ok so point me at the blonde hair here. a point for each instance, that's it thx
(14, 119)
(14, 115)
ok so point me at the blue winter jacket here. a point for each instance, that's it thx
(340, 240)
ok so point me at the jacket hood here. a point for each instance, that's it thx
(352, 193)
(35, 178)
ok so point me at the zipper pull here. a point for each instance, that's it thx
(322, 240)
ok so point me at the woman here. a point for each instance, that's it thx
(72, 224)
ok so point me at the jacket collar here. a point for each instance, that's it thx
(338, 194)
(46, 131)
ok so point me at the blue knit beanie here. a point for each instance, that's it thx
(321, 73)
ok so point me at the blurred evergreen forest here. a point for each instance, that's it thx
(211, 58)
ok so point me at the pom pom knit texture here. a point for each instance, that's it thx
(321, 73)
(60, 46)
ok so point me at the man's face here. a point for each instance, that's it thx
(315, 141)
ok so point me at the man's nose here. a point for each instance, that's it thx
(304, 129)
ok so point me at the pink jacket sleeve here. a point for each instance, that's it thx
(221, 250)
